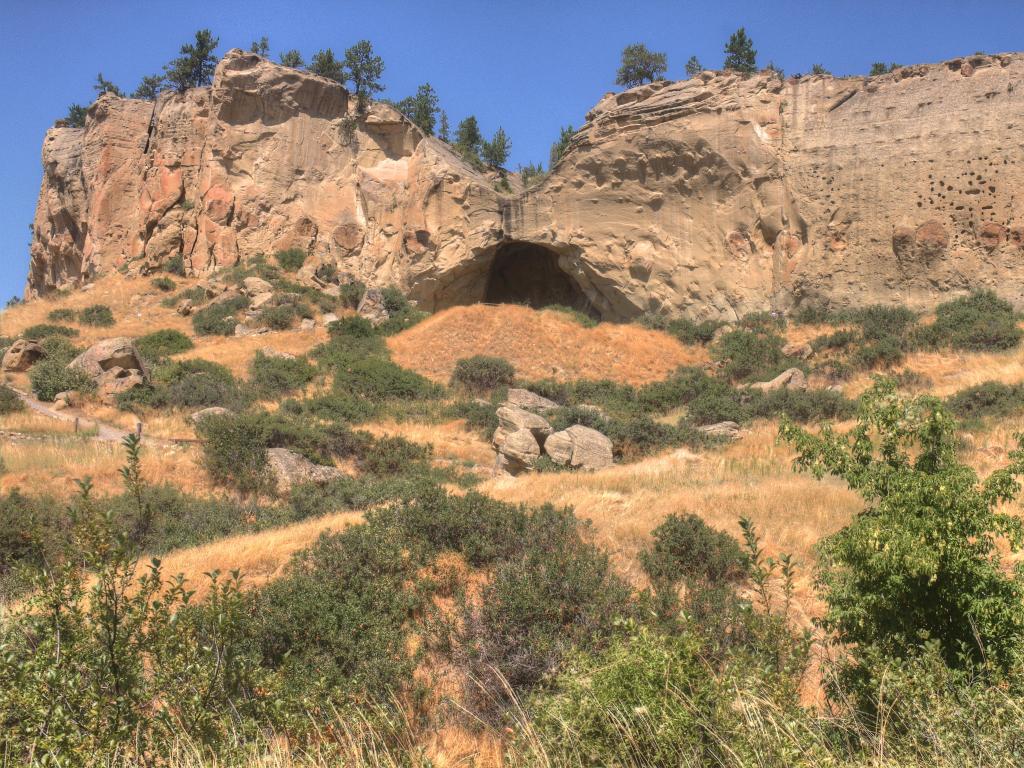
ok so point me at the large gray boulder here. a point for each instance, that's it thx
(21, 355)
(512, 419)
(371, 307)
(113, 381)
(580, 446)
(726, 429)
(118, 352)
(529, 401)
(289, 469)
(517, 450)
(205, 413)
(791, 378)
(256, 286)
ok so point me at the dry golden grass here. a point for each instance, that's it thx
(116, 291)
(260, 557)
(450, 440)
(948, 371)
(30, 422)
(52, 466)
(751, 478)
(165, 425)
(546, 344)
(236, 352)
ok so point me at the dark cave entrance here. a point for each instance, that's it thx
(527, 273)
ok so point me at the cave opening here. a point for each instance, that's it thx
(528, 273)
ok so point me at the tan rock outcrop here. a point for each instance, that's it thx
(289, 469)
(711, 197)
(119, 352)
(21, 355)
(791, 378)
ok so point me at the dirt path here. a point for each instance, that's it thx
(104, 432)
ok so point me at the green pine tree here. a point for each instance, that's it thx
(740, 55)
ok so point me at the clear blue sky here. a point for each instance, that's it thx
(528, 66)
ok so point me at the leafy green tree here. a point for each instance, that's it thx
(740, 55)
(326, 65)
(364, 70)
(149, 88)
(881, 68)
(292, 59)
(531, 173)
(923, 561)
(261, 46)
(468, 139)
(195, 67)
(105, 86)
(693, 66)
(422, 108)
(559, 147)
(444, 132)
(496, 151)
(819, 69)
(640, 65)
(76, 116)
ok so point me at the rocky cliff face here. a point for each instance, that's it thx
(713, 197)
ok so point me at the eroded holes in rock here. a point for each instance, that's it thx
(527, 273)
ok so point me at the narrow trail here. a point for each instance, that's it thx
(104, 432)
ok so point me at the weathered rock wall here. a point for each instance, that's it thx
(713, 196)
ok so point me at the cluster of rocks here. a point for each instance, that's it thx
(524, 435)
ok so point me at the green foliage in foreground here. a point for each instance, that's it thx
(923, 561)
(482, 373)
(9, 401)
(159, 344)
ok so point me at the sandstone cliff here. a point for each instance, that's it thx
(713, 196)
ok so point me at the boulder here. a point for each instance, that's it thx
(512, 419)
(580, 446)
(800, 349)
(254, 286)
(271, 352)
(329, 318)
(21, 355)
(116, 380)
(185, 308)
(229, 295)
(261, 300)
(289, 469)
(791, 378)
(214, 410)
(720, 331)
(727, 429)
(529, 401)
(119, 352)
(307, 324)
(517, 450)
(241, 329)
(71, 398)
(371, 307)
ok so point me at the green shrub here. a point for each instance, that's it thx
(97, 314)
(45, 330)
(9, 401)
(187, 384)
(717, 402)
(482, 373)
(379, 379)
(813, 314)
(175, 265)
(763, 322)
(351, 294)
(196, 295)
(272, 375)
(392, 455)
(401, 313)
(803, 406)
(687, 549)
(339, 618)
(990, 399)
(334, 406)
(645, 700)
(51, 376)
(235, 450)
(164, 284)
(559, 593)
(162, 343)
(686, 330)
(291, 260)
(480, 417)
(61, 315)
(879, 322)
(979, 322)
(924, 558)
(219, 319)
(279, 318)
(884, 352)
(840, 340)
(750, 356)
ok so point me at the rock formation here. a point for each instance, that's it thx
(712, 197)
